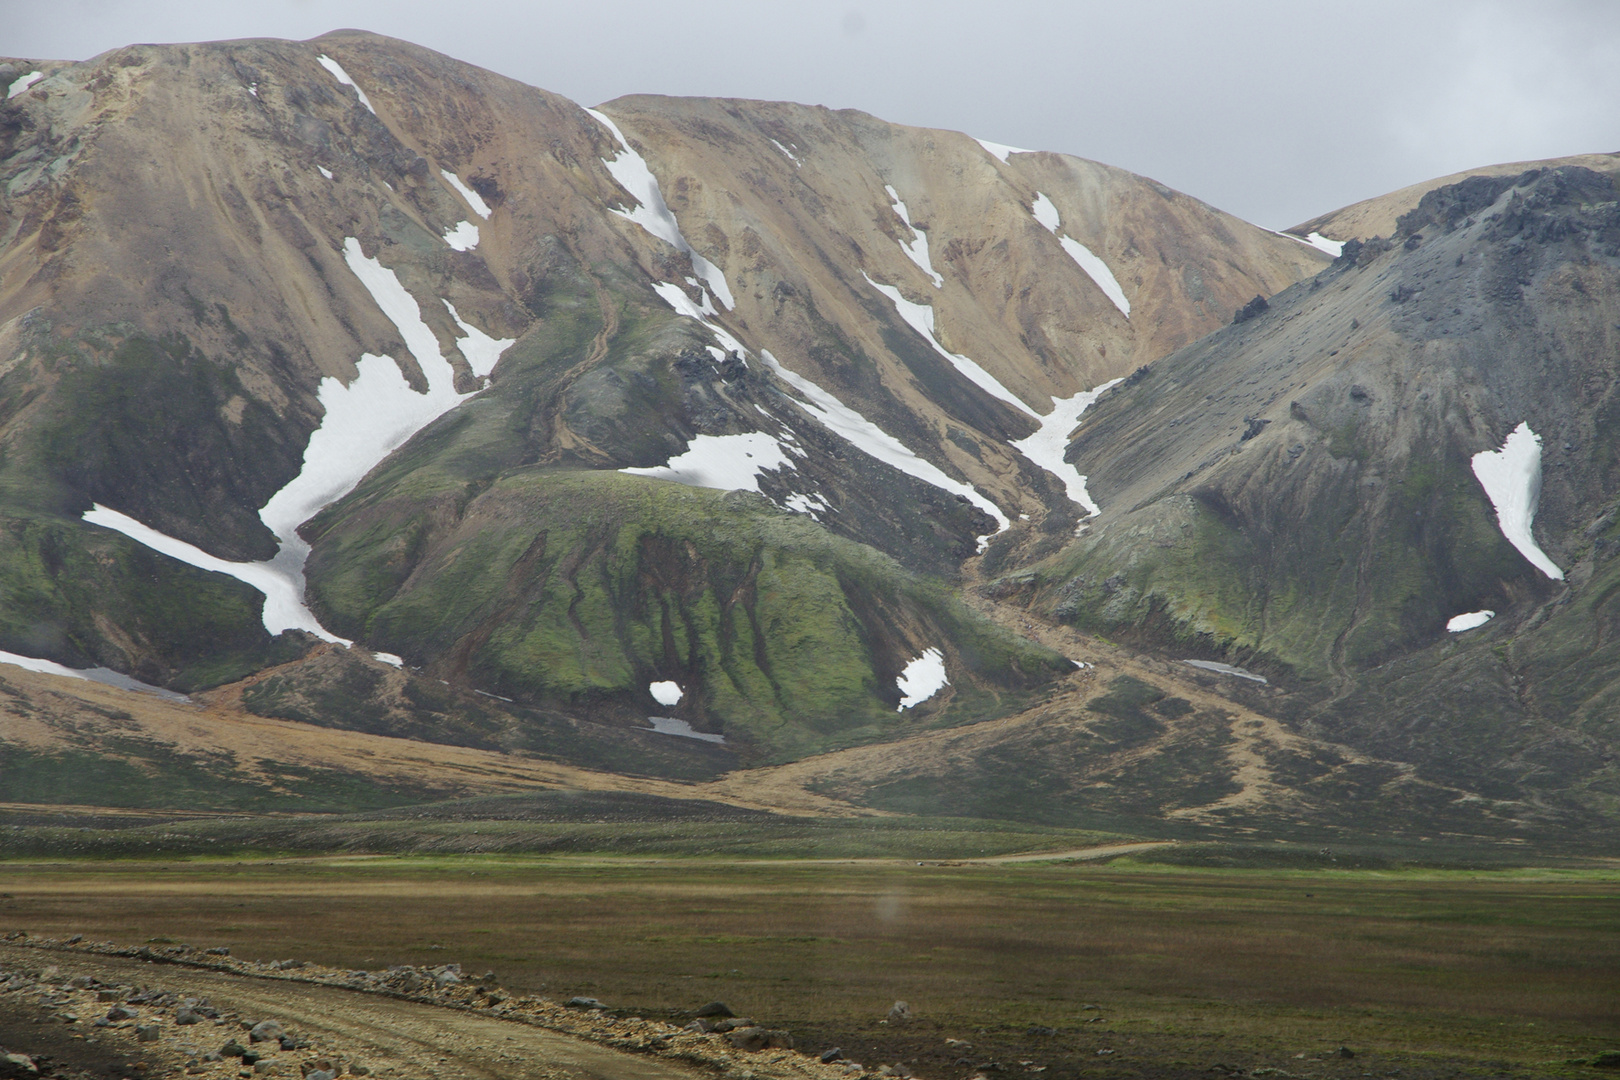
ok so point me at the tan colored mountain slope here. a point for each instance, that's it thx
(1377, 216)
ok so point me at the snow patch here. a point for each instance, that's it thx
(631, 173)
(667, 694)
(1511, 478)
(481, 350)
(19, 86)
(324, 171)
(1458, 623)
(474, 200)
(917, 250)
(788, 152)
(463, 237)
(867, 437)
(389, 658)
(1334, 248)
(361, 424)
(726, 462)
(105, 676)
(812, 504)
(675, 298)
(1046, 214)
(669, 725)
(1046, 447)
(343, 77)
(1000, 151)
(1225, 669)
(920, 317)
(922, 679)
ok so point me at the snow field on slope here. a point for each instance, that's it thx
(19, 86)
(922, 679)
(917, 250)
(480, 350)
(1046, 214)
(105, 676)
(1511, 478)
(1458, 623)
(1000, 151)
(1046, 447)
(631, 173)
(361, 424)
(667, 694)
(920, 317)
(726, 462)
(343, 77)
(1225, 669)
(463, 237)
(474, 200)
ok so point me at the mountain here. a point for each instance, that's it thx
(1393, 493)
(357, 403)
(344, 342)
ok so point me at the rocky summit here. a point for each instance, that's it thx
(349, 385)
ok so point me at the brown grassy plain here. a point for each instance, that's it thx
(1141, 971)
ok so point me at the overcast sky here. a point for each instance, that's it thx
(1275, 110)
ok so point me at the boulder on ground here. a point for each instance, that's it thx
(899, 1012)
(266, 1031)
(715, 1008)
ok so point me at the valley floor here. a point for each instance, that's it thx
(1124, 969)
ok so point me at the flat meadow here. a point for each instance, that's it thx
(1068, 969)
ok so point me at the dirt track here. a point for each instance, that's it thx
(391, 1037)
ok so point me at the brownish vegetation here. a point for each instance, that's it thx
(1420, 973)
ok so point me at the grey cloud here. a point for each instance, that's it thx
(1272, 109)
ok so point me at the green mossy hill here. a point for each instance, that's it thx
(88, 597)
(578, 589)
(167, 435)
(347, 689)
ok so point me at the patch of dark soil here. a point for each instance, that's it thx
(61, 1051)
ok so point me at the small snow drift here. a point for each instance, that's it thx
(1511, 478)
(667, 694)
(920, 317)
(105, 676)
(669, 725)
(464, 237)
(1225, 669)
(631, 173)
(923, 678)
(725, 462)
(474, 200)
(21, 85)
(1000, 151)
(343, 77)
(1046, 215)
(1045, 448)
(917, 249)
(1458, 623)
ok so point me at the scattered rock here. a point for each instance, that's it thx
(233, 1049)
(1344, 1052)
(749, 1038)
(266, 1031)
(17, 1067)
(778, 1039)
(715, 1008)
(186, 1017)
(121, 1012)
(148, 1032)
(585, 1003)
(899, 1012)
(1252, 309)
(830, 1056)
